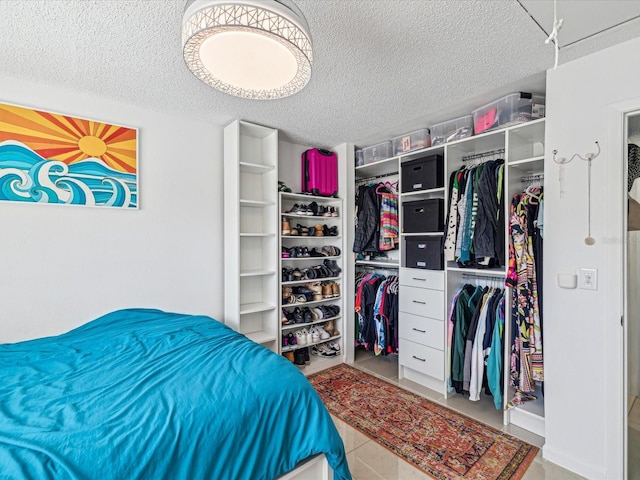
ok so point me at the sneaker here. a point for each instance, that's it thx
(289, 355)
(301, 337)
(315, 335)
(324, 335)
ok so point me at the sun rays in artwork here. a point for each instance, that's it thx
(69, 139)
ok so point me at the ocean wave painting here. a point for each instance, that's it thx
(57, 159)
(25, 176)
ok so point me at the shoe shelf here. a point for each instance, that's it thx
(256, 273)
(256, 307)
(256, 203)
(257, 234)
(312, 237)
(260, 337)
(290, 348)
(317, 217)
(310, 198)
(293, 326)
(302, 282)
(250, 167)
(310, 258)
(314, 302)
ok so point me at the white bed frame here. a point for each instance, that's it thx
(314, 468)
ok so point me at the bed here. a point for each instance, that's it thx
(145, 394)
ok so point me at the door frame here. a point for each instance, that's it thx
(616, 283)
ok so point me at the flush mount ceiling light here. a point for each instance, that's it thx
(257, 49)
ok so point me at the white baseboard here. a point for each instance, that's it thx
(572, 464)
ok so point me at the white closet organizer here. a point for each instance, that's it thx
(250, 239)
(286, 202)
(425, 295)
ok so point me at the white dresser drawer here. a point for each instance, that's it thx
(422, 330)
(422, 301)
(416, 277)
(425, 360)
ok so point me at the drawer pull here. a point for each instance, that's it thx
(421, 279)
(418, 330)
(421, 303)
(418, 358)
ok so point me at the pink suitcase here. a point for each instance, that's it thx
(320, 172)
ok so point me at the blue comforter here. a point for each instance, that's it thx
(144, 394)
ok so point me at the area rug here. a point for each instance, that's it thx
(433, 438)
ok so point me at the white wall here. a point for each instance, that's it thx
(582, 332)
(62, 266)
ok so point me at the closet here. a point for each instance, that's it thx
(376, 253)
(507, 163)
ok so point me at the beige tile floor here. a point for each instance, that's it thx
(370, 461)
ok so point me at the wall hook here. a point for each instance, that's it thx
(586, 158)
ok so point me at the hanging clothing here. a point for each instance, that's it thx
(367, 220)
(389, 231)
(526, 364)
(376, 307)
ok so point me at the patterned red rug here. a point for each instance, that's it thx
(435, 439)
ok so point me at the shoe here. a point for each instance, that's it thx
(282, 187)
(286, 227)
(335, 289)
(329, 328)
(335, 346)
(317, 313)
(301, 337)
(333, 231)
(316, 288)
(333, 211)
(332, 265)
(291, 339)
(319, 232)
(304, 231)
(299, 359)
(315, 335)
(285, 253)
(298, 317)
(313, 209)
(306, 315)
(327, 291)
(285, 341)
(289, 356)
(307, 360)
(322, 332)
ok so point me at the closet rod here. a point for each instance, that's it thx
(477, 156)
(474, 276)
(361, 181)
(532, 178)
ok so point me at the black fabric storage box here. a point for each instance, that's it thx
(424, 252)
(423, 173)
(423, 216)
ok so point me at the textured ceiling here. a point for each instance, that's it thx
(381, 67)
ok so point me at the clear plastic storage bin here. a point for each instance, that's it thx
(511, 109)
(375, 153)
(359, 158)
(451, 130)
(411, 141)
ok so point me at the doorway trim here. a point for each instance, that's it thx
(616, 255)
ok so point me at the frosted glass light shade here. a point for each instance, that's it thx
(253, 49)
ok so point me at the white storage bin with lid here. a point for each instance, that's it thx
(451, 130)
(511, 109)
(359, 158)
(411, 141)
(375, 153)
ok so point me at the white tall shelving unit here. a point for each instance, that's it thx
(425, 295)
(286, 202)
(250, 231)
